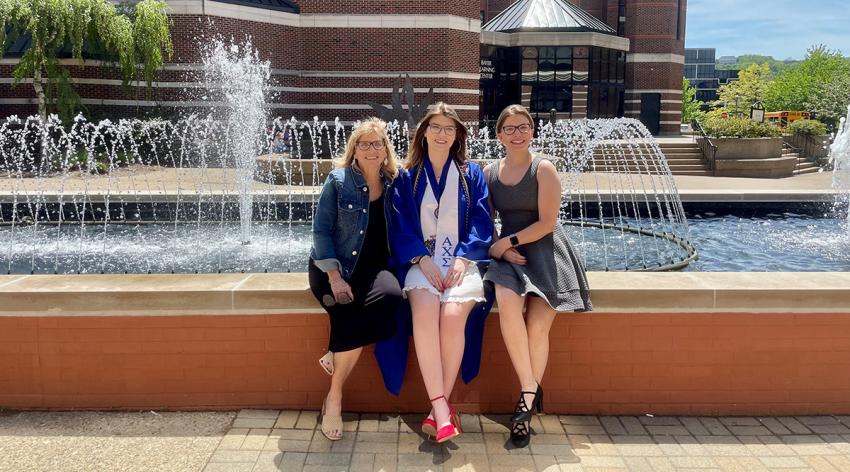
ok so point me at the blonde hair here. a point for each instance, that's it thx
(370, 125)
(512, 110)
(416, 153)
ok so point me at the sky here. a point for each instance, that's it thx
(779, 28)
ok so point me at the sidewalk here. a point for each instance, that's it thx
(271, 440)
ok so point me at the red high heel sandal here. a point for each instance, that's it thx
(451, 430)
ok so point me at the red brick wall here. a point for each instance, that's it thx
(689, 364)
(295, 49)
(466, 9)
(493, 7)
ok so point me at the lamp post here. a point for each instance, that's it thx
(736, 106)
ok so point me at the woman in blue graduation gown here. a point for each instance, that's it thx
(440, 234)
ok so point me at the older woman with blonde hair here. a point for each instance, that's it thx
(349, 258)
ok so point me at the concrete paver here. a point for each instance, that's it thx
(210, 442)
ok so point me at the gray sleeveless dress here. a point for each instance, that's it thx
(554, 269)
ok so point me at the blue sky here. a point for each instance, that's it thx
(778, 28)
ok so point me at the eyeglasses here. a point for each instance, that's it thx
(365, 145)
(437, 129)
(524, 129)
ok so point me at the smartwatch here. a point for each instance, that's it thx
(514, 240)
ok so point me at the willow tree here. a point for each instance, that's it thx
(137, 43)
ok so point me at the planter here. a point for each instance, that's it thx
(765, 168)
(748, 148)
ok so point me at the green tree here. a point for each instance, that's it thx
(830, 101)
(748, 89)
(56, 25)
(691, 107)
(746, 60)
(798, 87)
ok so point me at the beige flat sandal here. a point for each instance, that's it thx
(331, 424)
(327, 363)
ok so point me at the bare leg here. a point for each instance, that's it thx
(515, 335)
(540, 318)
(452, 339)
(426, 338)
(344, 363)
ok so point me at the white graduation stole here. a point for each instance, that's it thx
(439, 220)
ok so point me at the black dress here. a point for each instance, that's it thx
(371, 317)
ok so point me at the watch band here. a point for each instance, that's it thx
(514, 240)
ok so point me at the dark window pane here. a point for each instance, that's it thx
(604, 64)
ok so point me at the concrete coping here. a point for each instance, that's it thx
(242, 294)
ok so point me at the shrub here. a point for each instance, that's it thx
(809, 127)
(739, 128)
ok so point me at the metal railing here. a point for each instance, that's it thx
(706, 147)
(813, 148)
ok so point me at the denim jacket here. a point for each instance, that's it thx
(342, 215)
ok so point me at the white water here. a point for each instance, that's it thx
(240, 75)
(840, 158)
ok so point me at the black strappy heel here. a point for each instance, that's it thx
(522, 412)
(521, 434)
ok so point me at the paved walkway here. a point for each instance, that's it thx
(262, 441)
(271, 440)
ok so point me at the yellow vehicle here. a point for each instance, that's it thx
(783, 118)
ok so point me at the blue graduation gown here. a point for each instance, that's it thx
(406, 242)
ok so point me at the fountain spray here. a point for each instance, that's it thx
(240, 75)
(840, 158)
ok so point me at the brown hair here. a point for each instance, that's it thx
(418, 146)
(370, 125)
(512, 110)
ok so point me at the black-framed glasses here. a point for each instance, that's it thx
(437, 129)
(524, 129)
(365, 145)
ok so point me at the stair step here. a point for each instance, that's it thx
(692, 160)
(689, 162)
(807, 171)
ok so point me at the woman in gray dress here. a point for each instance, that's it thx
(535, 266)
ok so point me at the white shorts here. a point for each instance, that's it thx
(471, 289)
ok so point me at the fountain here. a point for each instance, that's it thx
(241, 77)
(188, 195)
(840, 159)
(620, 201)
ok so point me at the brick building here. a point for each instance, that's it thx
(591, 58)
(329, 58)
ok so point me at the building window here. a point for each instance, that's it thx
(545, 78)
(621, 18)
(679, 19)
